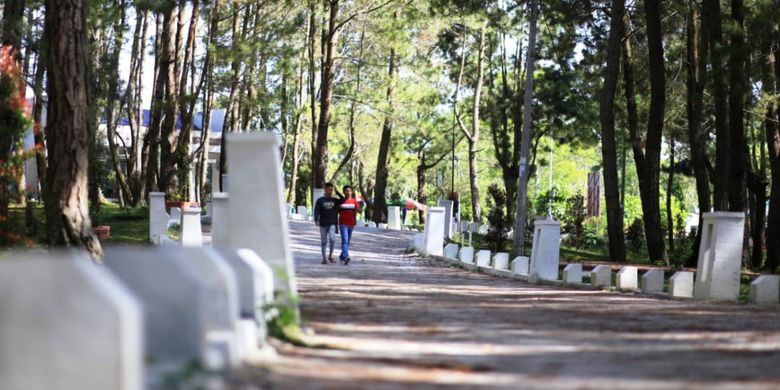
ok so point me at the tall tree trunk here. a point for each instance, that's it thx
(134, 111)
(472, 134)
(232, 110)
(739, 152)
(695, 91)
(422, 197)
(312, 45)
(112, 104)
(772, 128)
(617, 249)
(297, 126)
(208, 75)
(13, 26)
(67, 210)
(525, 144)
(170, 104)
(187, 99)
(711, 17)
(669, 189)
(351, 127)
(37, 116)
(380, 203)
(655, 125)
(330, 37)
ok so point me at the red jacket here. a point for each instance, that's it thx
(348, 212)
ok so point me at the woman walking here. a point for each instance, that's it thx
(348, 210)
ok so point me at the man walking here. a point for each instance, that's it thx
(326, 216)
(348, 210)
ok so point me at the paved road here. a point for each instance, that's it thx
(393, 320)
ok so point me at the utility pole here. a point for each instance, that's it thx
(522, 188)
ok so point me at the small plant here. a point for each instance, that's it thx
(574, 220)
(635, 235)
(499, 221)
(283, 319)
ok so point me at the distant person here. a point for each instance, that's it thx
(326, 216)
(349, 208)
(396, 199)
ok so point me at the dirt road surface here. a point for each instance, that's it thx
(392, 320)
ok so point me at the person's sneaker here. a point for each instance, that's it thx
(324, 261)
(331, 259)
(346, 261)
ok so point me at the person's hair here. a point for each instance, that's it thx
(344, 189)
(329, 184)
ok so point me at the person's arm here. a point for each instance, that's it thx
(317, 210)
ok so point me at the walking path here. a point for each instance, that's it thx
(393, 320)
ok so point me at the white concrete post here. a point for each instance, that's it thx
(220, 220)
(545, 252)
(652, 281)
(394, 218)
(191, 232)
(448, 206)
(67, 324)
(572, 273)
(720, 256)
(434, 232)
(256, 204)
(158, 218)
(765, 289)
(627, 278)
(681, 284)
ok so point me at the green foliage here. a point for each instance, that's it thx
(635, 235)
(574, 220)
(500, 223)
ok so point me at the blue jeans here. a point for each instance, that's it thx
(327, 234)
(346, 238)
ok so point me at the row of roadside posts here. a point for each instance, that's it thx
(147, 317)
(717, 277)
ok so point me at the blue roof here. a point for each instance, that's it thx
(217, 120)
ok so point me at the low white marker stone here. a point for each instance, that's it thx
(225, 187)
(383, 226)
(206, 219)
(483, 258)
(418, 242)
(174, 299)
(720, 256)
(451, 251)
(191, 232)
(627, 278)
(371, 224)
(501, 261)
(215, 178)
(520, 265)
(67, 324)
(254, 167)
(220, 220)
(175, 219)
(434, 232)
(302, 210)
(483, 229)
(601, 276)
(448, 207)
(545, 252)
(467, 255)
(255, 281)
(572, 273)
(681, 284)
(765, 289)
(158, 218)
(652, 281)
(394, 218)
